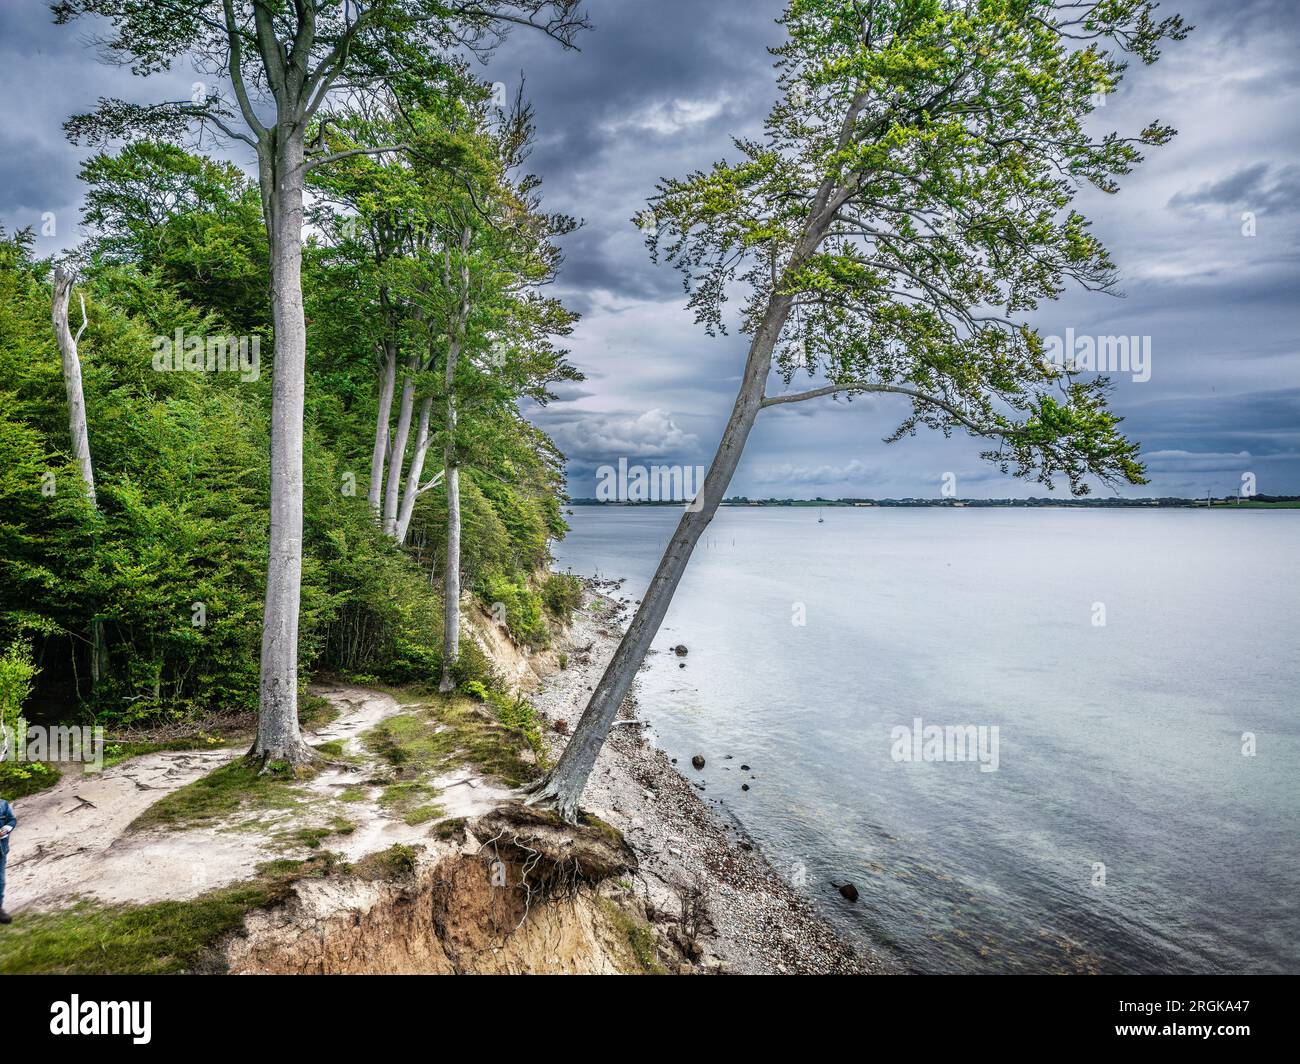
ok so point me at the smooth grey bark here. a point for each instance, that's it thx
(387, 386)
(413, 488)
(451, 570)
(451, 579)
(565, 783)
(450, 465)
(397, 461)
(63, 280)
(278, 735)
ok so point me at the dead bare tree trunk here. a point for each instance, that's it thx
(279, 737)
(63, 280)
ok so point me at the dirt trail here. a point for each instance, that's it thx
(72, 840)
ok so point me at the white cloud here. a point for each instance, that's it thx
(606, 438)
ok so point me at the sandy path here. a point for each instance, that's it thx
(72, 840)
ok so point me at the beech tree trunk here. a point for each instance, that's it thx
(451, 571)
(387, 386)
(72, 379)
(412, 490)
(564, 785)
(392, 491)
(278, 735)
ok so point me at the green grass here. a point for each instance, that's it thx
(311, 838)
(117, 752)
(161, 938)
(640, 938)
(392, 863)
(220, 795)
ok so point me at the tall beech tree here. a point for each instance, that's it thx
(288, 62)
(906, 208)
(462, 251)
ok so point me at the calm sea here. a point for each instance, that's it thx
(1128, 660)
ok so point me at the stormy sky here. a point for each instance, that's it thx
(660, 88)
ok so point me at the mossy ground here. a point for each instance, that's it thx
(221, 795)
(162, 938)
(640, 938)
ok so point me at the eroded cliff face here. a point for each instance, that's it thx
(516, 895)
(522, 668)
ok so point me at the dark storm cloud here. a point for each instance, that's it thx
(1259, 186)
(660, 88)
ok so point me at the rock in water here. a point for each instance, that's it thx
(680, 650)
(849, 891)
(698, 761)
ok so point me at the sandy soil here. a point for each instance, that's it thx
(761, 923)
(73, 840)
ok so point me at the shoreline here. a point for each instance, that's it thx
(759, 922)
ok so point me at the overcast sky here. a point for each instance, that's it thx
(661, 86)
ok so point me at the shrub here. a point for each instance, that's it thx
(562, 594)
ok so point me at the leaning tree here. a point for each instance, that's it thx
(908, 205)
(288, 64)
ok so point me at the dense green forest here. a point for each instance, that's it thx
(423, 280)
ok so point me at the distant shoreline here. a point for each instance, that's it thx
(1228, 502)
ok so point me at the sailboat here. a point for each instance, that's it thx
(820, 519)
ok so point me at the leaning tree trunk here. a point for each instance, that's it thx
(72, 379)
(564, 785)
(278, 735)
(387, 385)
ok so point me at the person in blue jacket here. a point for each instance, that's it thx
(7, 823)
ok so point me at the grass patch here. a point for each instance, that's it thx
(117, 752)
(220, 795)
(412, 801)
(640, 938)
(396, 862)
(311, 838)
(162, 938)
(314, 711)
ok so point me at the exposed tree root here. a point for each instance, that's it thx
(297, 756)
(547, 793)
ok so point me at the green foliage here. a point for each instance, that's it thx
(522, 606)
(909, 205)
(562, 595)
(17, 671)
